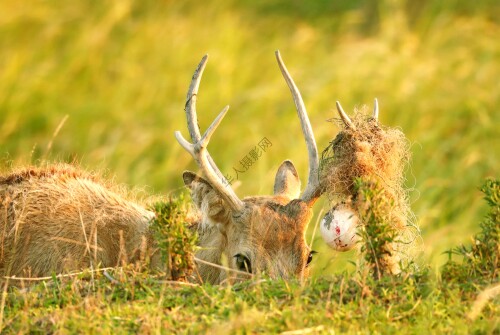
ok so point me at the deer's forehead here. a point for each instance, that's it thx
(271, 239)
(277, 206)
(273, 228)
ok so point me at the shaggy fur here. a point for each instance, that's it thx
(270, 231)
(59, 218)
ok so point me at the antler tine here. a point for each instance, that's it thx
(190, 107)
(375, 110)
(194, 148)
(344, 117)
(198, 149)
(312, 190)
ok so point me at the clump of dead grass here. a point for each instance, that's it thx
(377, 155)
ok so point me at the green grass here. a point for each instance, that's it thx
(120, 71)
(121, 300)
(175, 241)
(139, 303)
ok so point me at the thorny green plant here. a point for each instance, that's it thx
(174, 238)
(377, 233)
(481, 260)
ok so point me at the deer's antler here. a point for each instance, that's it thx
(375, 109)
(313, 190)
(348, 121)
(344, 116)
(198, 149)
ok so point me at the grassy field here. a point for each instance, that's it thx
(120, 70)
(461, 299)
(324, 305)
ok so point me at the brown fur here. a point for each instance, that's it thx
(269, 232)
(59, 218)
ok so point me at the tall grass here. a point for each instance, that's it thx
(120, 70)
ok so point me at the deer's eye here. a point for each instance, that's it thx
(243, 263)
(310, 256)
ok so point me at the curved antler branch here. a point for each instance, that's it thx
(344, 116)
(190, 109)
(192, 94)
(198, 149)
(312, 190)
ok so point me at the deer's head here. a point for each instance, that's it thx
(260, 233)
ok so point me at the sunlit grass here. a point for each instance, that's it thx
(120, 70)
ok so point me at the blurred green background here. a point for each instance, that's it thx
(120, 71)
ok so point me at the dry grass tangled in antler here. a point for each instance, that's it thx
(372, 153)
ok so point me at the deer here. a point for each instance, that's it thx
(59, 218)
(259, 233)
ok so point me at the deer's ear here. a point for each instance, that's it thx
(189, 177)
(287, 182)
(206, 198)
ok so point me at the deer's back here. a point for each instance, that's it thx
(60, 219)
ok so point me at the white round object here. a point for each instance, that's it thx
(338, 228)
